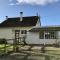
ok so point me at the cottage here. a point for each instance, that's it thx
(15, 30)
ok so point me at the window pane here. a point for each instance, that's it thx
(50, 35)
(23, 32)
(47, 36)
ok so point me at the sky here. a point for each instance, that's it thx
(48, 10)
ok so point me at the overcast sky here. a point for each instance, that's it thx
(48, 10)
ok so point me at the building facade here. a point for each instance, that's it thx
(15, 30)
(28, 29)
(47, 35)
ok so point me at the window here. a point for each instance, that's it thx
(47, 35)
(23, 32)
(53, 35)
(50, 35)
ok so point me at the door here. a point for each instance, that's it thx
(16, 40)
(17, 32)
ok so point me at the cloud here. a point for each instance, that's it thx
(36, 2)
(11, 4)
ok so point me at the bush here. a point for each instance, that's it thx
(3, 41)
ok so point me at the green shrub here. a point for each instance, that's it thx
(3, 41)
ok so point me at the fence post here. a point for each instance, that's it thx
(5, 47)
(43, 49)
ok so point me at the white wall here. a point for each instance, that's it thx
(6, 33)
(33, 38)
(58, 37)
(48, 41)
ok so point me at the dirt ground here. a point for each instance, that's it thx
(23, 56)
(32, 53)
(27, 56)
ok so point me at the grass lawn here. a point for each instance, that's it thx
(8, 47)
(53, 50)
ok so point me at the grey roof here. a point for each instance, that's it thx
(45, 28)
(15, 22)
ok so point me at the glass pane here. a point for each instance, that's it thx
(50, 35)
(23, 32)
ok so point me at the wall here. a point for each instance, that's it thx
(33, 38)
(8, 33)
(48, 41)
(58, 37)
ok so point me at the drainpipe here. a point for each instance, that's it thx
(44, 37)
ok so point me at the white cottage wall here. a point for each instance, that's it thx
(6, 33)
(32, 38)
(9, 33)
(58, 37)
(47, 41)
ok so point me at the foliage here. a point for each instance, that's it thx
(3, 41)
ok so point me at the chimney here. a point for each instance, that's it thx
(6, 17)
(39, 21)
(21, 16)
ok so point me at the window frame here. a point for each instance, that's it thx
(47, 35)
(23, 31)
